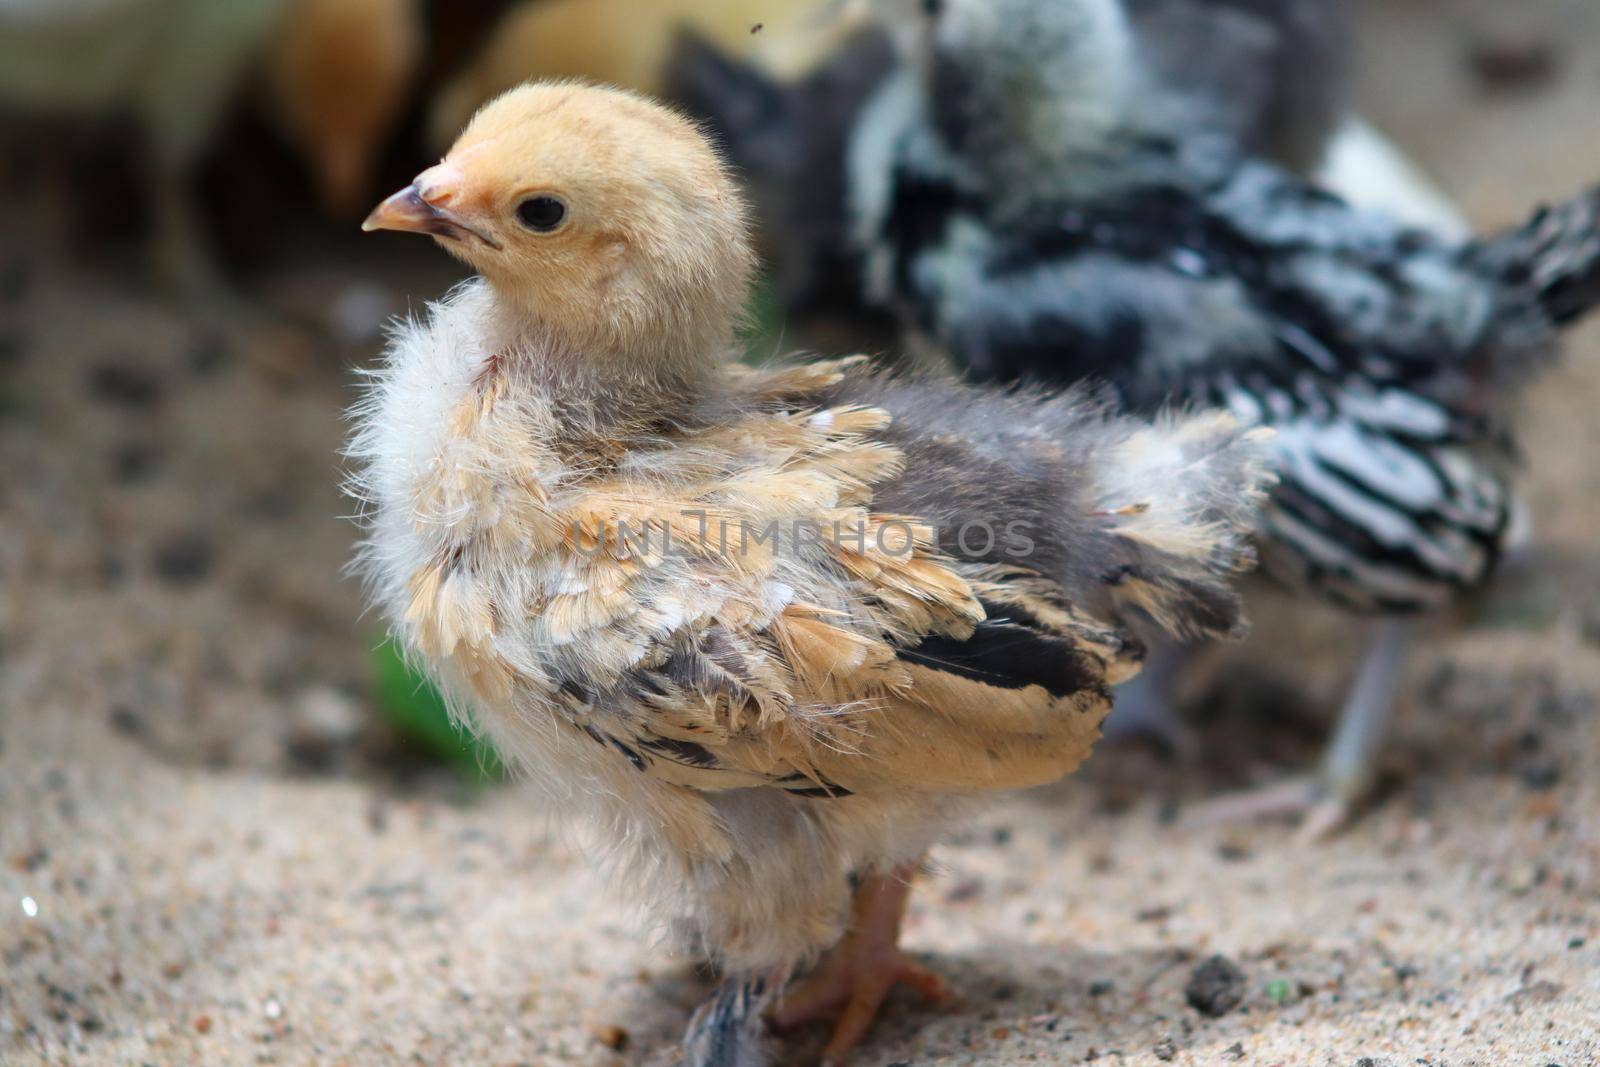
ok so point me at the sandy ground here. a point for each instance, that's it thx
(210, 853)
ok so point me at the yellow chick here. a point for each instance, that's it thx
(339, 76)
(766, 632)
(627, 43)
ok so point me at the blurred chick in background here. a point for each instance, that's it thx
(172, 65)
(1271, 76)
(627, 42)
(761, 724)
(1015, 208)
(338, 77)
(337, 74)
(788, 139)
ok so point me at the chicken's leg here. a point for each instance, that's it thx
(1326, 799)
(851, 982)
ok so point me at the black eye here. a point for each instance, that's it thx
(541, 213)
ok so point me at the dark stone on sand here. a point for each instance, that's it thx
(1216, 987)
(120, 383)
(184, 559)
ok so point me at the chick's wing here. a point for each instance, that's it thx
(732, 613)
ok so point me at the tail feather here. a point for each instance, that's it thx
(1182, 496)
(1557, 254)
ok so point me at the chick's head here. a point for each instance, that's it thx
(1016, 29)
(1018, 87)
(599, 217)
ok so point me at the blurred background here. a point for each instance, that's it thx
(234, 829)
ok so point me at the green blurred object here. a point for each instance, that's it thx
(763, 323)
(1278, 991)
(419, 715)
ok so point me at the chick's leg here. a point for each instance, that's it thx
(181, 256)
(851, 982)
(1325, 801)
(727, 1030)
(1350, 766)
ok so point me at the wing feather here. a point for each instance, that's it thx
(869, 663)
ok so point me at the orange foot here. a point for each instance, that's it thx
(851, 982)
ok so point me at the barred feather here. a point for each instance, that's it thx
(1177, 270)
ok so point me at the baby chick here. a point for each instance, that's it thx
(338, 77)
(338, 72)
(627, 42)
(1047, 234)
(788, 138)
(172, 64)
(1270, 77)
(768, 629)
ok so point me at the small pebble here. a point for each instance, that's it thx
(1507, 61)
(272, 1009)
(184, 560)
(612, 1037)
(31, 860)
(323, 721)
(30, 907)
(124, 385)
(1525, 878)
(1233, 852)
(1216, 987)
(965, 890)
(1541, 992)
(203, 1024)
(126, 721)
(1541, 775)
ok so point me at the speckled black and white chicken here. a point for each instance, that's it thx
(1270, 76)
(1015, 211)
